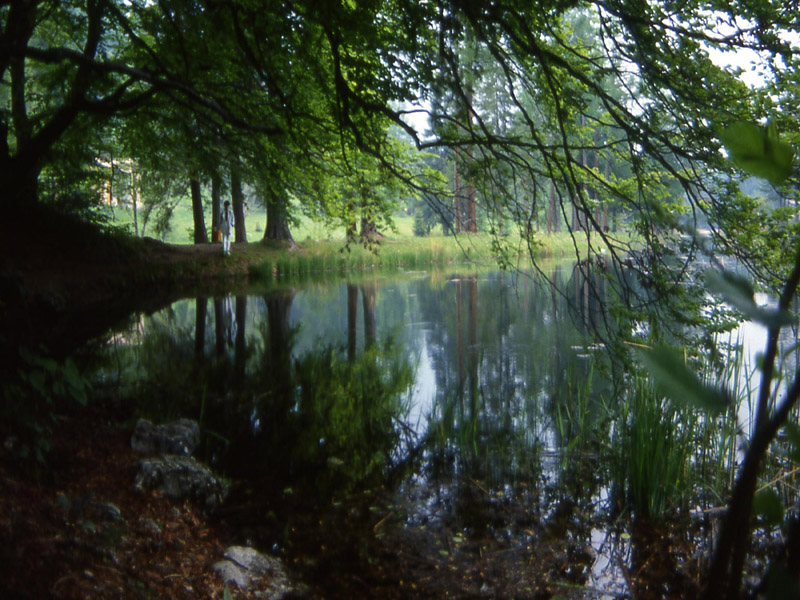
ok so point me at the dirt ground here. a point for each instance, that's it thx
(61, 535)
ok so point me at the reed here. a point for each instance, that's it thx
(719, 438)
(653, 441)
(574, 423)
(404, 253)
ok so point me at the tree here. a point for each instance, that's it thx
(237, 201)
(200, 233)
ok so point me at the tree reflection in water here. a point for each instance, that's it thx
(309, 415)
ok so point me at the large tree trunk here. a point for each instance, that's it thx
(457, 196)
(237, 200)
(277, 229)
(216, 200)
(200, 233)
(19, 174)
(20, 189)
(369, 231)
(135, 202)
(472, 219)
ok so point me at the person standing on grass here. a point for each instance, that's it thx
(226, 224)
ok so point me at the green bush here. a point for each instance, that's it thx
(30, 401)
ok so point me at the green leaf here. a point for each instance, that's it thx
(76, 383)
(743, 139)
(227, 595)
(676, 380)
(36, 379)
(738, 292)
(767, 505)
(759, 151)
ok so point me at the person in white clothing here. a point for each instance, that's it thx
(226, 223)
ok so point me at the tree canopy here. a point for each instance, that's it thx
(579, 106)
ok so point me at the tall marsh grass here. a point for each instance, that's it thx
(412, 254)
(668, 454)
(653, 440)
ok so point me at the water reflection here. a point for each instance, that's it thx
(464, 398)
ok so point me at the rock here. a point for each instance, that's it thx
(107, 512)
(247, 568)
(232, 573)
(180, 478)
(253, 561)
(179, 437)
(150, 528)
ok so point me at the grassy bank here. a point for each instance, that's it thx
(398, 253)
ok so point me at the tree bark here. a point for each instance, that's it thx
(19, 173)
(216, 200)
(368, 229)
(725, 573)
(237, 201)
(200, 233)
(457, 196)
(277, 229)
(135, 202)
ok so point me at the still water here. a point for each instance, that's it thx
(438, 418)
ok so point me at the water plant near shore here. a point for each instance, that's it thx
(653, 441)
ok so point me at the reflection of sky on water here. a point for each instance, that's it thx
(752, 337)
(424, 390)
(610, 552)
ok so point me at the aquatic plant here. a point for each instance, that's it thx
(319, 257)
(653, 441)
(575, 423)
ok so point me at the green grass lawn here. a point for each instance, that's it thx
(182, 226)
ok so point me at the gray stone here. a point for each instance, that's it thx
(178, 437)
(253, 561)
(181, 478)
(150, 528)
(232, 573)
(251, 570)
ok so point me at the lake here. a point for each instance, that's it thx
(381, 431)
